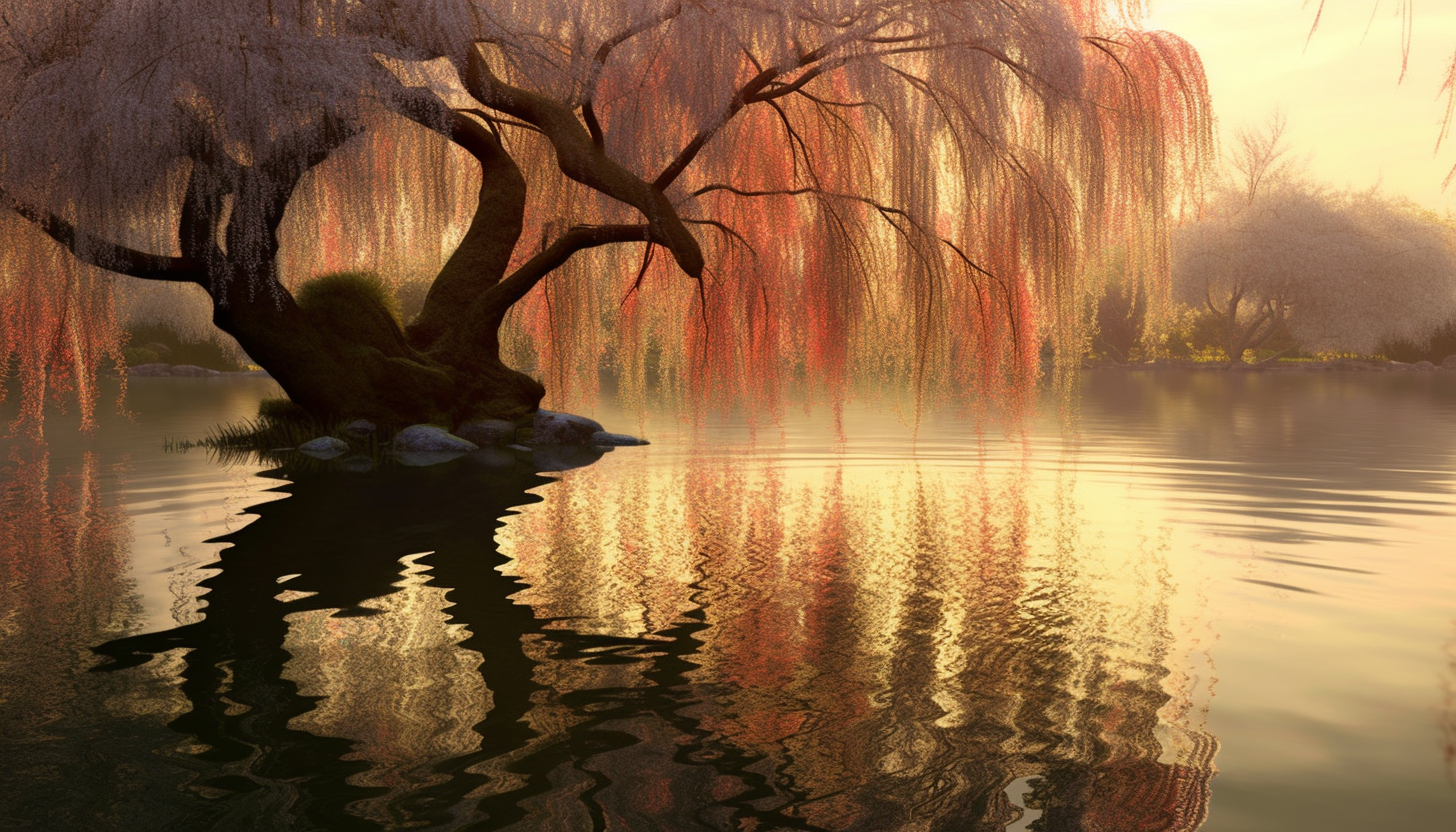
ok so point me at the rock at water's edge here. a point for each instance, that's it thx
(601, 437)
(551, 428)
(1449, 363)
(430, 439)
(324, 447)
(360, 429)
(171, 370)
(488, 432)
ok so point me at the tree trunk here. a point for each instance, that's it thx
(349, 358)
(336, 360)
(334, 377)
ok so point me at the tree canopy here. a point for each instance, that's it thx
(1344, 272)
(1274, 254)
(738, 192)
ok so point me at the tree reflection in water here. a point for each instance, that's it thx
(720, 649)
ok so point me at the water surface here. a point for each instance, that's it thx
(1210, 601)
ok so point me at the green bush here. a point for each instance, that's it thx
(1121, 316)
(356, 307)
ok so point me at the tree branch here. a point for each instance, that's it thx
(599, 62)
(201, 215)
(690, 152)
(884, 210)
(578, 238)
(582, 160)
(108, 255)
(484, 253)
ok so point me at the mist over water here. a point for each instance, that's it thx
(1212, 600)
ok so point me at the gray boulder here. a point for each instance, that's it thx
(1425, 365)
(601, 437)
(488, 432)
(422, 445)
(1449, 363)
(360, 429)
(552, 428)
(431, 439)
(324, 447)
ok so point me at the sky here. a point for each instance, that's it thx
(1349, 114)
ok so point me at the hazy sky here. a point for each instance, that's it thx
(1346, 111)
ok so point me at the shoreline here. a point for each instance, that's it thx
(1360, 365)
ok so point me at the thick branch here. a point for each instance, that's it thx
(476, 338)
(107, 255)
(582, 160)
(506, 293)
(485, 251)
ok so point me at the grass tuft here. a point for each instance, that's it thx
(280, 427)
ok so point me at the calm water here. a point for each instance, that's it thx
(1197, 601)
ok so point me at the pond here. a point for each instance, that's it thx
(1188, 600)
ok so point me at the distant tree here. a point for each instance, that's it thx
(1120, 311)
(806, 182)
(1339, 271)
(1121, 318)
(1258, 158)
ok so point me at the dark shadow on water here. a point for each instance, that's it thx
(344, 536)
(630, 743)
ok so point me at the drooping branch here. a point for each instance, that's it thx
(212, 178)
(202, 212)
(107, 255)
(297, 155)
(263, 191)
(582, 160)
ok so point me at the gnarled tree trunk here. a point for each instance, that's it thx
(445, 369)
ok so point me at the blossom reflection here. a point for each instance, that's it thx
(878, 649)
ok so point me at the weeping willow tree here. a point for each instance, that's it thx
(724, 195)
